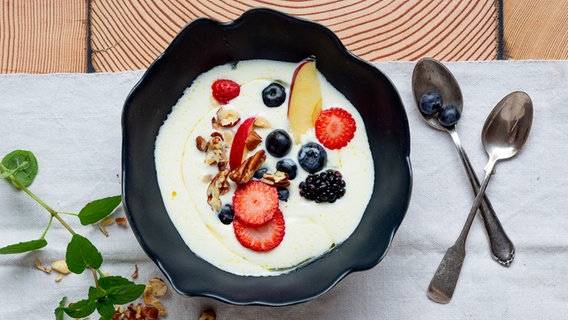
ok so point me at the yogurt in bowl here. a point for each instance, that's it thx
(203, 174)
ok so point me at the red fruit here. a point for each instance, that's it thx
(255, 203)
(261, 238)
(335, 127)
(239, 143)
(225, 90)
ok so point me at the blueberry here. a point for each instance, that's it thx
(283, 193)
(449, 115)
(274, 95)
(312, 157)
(430, 103)
(288, 166)
(227, 214)
(259, 173)
(278, 143)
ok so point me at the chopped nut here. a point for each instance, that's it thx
(135, 273)
(208, 315)
(206, 178)
(215, 124)
(227, 117)
(201, 143)
(159, 287)
(244, 172)
(228, 137)
(214, 101)
(103, 230)
(121, 221)
(41, 267)
(161, 309)
(59, 277)
(261, 122)
(217, 134)
(105, 223)
(217, 187)
(216, 152)
(60, 266)
(253, 140)
(147, 295)
(278, 179)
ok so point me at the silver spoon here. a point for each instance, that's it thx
(431, 76)
(504, 134)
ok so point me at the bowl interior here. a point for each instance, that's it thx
(263, 34)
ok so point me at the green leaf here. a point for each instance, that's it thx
(81, 308)
(96, 293)
(59, 311)
(125, 294)
(98, 209)
(24, 246)
(24, 164)
(106, 310)
(113, 281)
(81, 253)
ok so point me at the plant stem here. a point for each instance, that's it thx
(52, 212)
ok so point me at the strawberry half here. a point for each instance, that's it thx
(261, 238)
(255, 203)
(335, 127)
(225, 90)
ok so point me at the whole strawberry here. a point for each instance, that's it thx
(225, 90)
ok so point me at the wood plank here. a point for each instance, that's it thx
(535, 29)
(130, 35)
(43, 36)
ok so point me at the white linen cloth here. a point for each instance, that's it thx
(72, 122)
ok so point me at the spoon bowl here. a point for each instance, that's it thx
(507, 127)
(431, 76)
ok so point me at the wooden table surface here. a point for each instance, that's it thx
(49, 36)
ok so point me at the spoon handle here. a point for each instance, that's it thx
(443, 283)
(502, 247)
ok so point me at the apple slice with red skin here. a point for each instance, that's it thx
(305, 102)
(238, 147)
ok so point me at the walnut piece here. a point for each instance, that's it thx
(244, 172)
(208, 315)
(278, 179)
(227, 117)
(217, 187)
(158, 286)
(216, 151)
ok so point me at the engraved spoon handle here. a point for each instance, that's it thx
(502, 248)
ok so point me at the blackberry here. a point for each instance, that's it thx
(326, 186)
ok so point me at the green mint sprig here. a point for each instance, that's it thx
(20, 168)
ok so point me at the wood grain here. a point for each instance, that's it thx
(43, 36)
(128, 35)
(535, 29)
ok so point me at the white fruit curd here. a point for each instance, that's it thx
(311, 229)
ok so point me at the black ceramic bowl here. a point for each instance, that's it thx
(263, 34)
